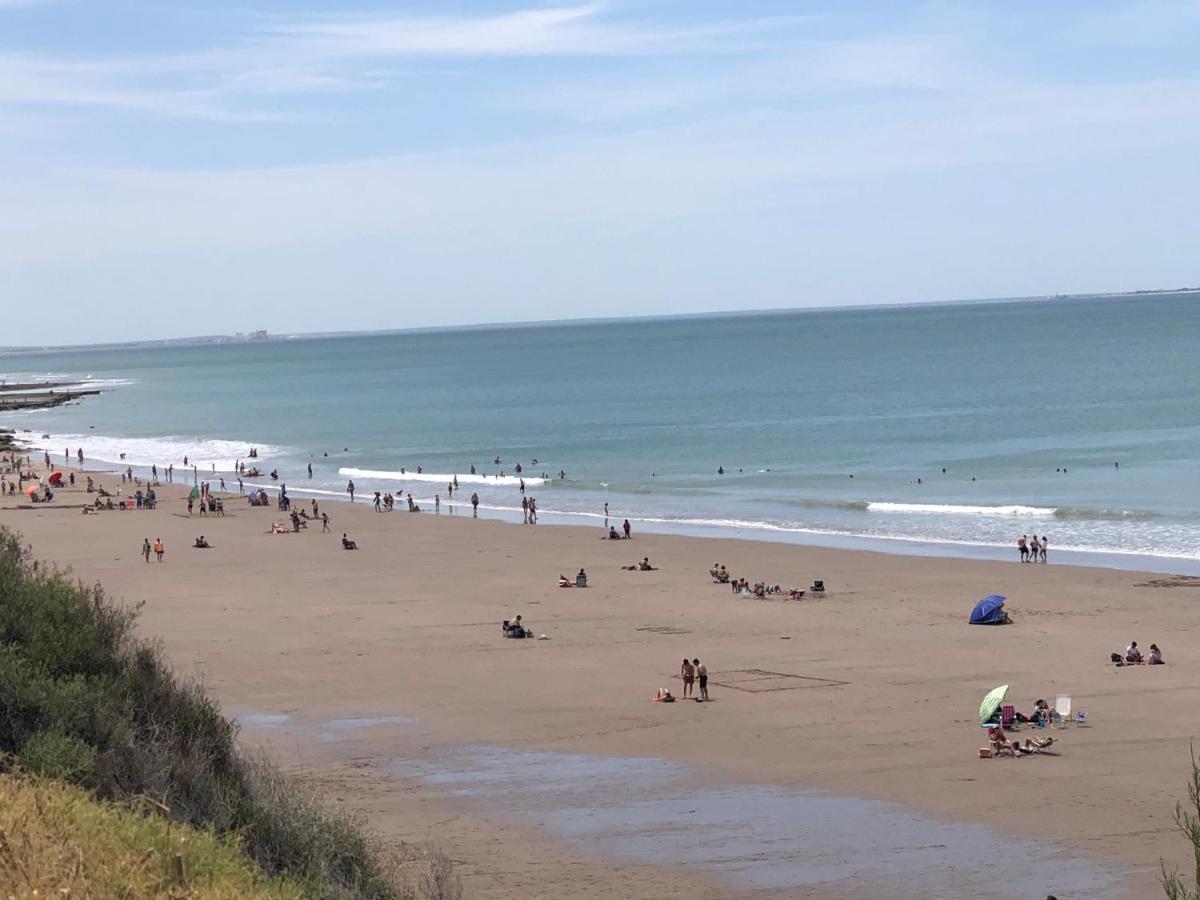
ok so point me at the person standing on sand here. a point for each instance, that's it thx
(702, 677)
(1034, 547)
(350, 489)
(158, 548)
(146, 549)
(627, 528)
(1045, 546)
(437, 504)
(533, 510)
(1023, 547)
(475, 504)
(524, 510)
(688, 673)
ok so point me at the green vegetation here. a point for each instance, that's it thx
(55, 841)
(1187, 818)
(82, 699)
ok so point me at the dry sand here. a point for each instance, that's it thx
(875, 695)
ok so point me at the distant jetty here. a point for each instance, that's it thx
(41, 394)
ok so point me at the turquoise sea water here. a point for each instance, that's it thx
(823, 421)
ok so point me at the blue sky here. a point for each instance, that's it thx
(187, 168)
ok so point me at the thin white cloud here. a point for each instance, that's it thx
(580, 30)
(643, 181)
(31, 82)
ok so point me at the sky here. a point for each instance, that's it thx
(187, 168)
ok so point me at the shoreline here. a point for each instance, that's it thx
(899, 545)
(408, 626)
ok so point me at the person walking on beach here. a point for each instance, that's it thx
(1045, 545)
(324, 522)
(702, 678)
(1023, 547)
(533, 510)
(350, 489)
(475, 504)
(158, 548)
(146, 549)
(1034, 547)
(378, 502)
(524, 510)
(688, 673)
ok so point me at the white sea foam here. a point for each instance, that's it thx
(953, 509)
(439, 477)
(160, 451)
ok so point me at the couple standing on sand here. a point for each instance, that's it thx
(690, 672)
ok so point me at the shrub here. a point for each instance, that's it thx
(57, 755)
(1187, 820)
(83, 699)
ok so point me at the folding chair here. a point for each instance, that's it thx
(1008, 718)
(1062, 710)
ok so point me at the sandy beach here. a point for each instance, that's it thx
(382, 672)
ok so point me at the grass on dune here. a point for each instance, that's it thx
(57, 841)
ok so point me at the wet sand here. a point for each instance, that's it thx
(866, 694)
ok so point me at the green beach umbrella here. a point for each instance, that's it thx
(991, 703)
(194, 493)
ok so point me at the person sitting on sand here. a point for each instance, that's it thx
(1155, 657)
(644, 565)
(581, 579)
(1133, 654)
(663, 696)
(564, 581)
(612, 534)
(202, 544)
(1041, 713)
(348, 544)
(517, 630)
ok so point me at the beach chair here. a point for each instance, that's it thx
(1062, 711)
(1008, 718)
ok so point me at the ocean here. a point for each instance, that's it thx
(948, 429)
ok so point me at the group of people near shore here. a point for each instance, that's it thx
(1032, 549)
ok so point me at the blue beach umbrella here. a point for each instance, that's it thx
(989, 610)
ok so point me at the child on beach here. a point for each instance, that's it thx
(158, 548)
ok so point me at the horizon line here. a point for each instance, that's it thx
(591, 320)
